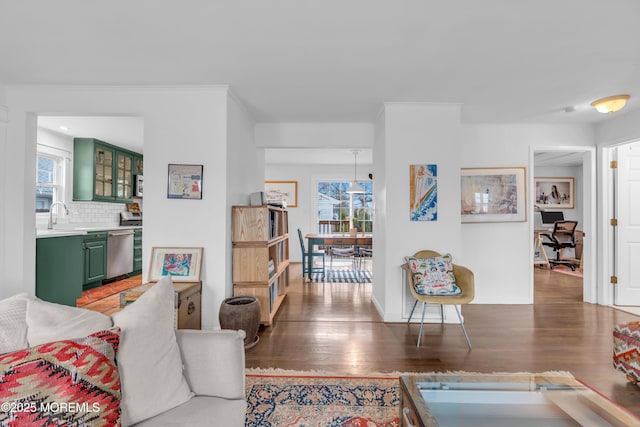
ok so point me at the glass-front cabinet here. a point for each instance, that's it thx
(102, 172)
(124, 173)
(138, 164)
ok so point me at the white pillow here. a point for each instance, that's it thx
(13, 323)
(149, 358)
(48, 321)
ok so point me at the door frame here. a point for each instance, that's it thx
(606, 261)
(590, 292)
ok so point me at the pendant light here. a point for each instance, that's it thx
(354, 187)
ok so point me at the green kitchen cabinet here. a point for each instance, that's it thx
(94, 246)
(59, 270)
(137, 252)
(138, 164)
(102, 172)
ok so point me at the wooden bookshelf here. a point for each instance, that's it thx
(261, 256)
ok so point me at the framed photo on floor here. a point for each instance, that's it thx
(182, 264)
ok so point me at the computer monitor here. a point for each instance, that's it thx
(549, 217)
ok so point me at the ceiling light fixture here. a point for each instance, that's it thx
(610, 104)
(354, 187)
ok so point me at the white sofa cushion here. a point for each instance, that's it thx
(202, 411)
(213, 362)
(13, 323)
(149, 358)
(48, 321)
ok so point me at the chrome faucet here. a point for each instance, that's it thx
(53, 205)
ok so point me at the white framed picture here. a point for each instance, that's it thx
(182, 264)
(278, 191)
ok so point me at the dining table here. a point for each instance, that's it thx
(335, 239)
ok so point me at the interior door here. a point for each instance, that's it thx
(627, 238)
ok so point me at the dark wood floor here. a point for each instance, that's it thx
(336, 328)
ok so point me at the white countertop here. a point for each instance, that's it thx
(79, 229)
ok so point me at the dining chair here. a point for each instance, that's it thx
(345, 252)
(464, 280)
(305, 254)
(363, 254)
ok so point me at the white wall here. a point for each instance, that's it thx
(331, 140)
(421, 133)
(380, 226)
(619, 129)
(204, 125)
(182, 125)
(245, 171)
(4, 160)
(416, 133)
(307, 175)
(574, 172)
(499, 253)
(314, 135)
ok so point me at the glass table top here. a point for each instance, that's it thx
(509, 400)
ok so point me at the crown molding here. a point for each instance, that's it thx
(234, 96)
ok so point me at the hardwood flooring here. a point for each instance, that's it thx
(106, 298)
(335, 327)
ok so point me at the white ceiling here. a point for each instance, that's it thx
(123, 131)
(304, 60)
(316, 61)
(558, 158)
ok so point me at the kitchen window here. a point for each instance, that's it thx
(51, 173)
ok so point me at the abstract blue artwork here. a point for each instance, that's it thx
(423, 190)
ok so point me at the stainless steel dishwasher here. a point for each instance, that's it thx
(119, 253)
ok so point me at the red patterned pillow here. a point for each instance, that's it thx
(68, 382)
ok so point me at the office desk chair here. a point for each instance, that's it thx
(562, 237)
(305, 254)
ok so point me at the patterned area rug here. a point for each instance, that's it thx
(287, 400)
(342, 276)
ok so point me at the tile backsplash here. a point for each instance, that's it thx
(102, 213)
(95, 212)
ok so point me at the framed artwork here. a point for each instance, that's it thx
(182, 264)
(423, 190)
(493, 195)
(277, 191)
(554, 193)
(184, 182)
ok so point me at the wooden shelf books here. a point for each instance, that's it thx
(261, 256)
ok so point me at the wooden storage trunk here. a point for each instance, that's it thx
(188, 297)
(626, 350)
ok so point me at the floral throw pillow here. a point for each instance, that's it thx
(433, 276)
(62, 383)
